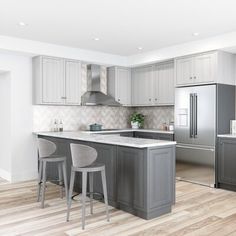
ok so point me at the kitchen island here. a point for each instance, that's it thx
(140, 172)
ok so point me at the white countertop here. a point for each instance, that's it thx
(226, 135)
(131, 130)
(108, 139)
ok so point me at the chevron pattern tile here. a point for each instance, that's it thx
(80, 117)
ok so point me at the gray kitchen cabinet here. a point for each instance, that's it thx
(164, 87)
(226, 163)
(153, 85)
(72, 82)
(145, 180)
(140, 181)
(184, 72)
(106, 156)
(142, 85)
(131, 179)
(56, 81)
(205, 68)
(119, 84)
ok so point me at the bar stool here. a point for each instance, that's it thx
(46, 150)
(83, 160)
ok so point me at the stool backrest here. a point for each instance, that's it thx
(82, 155)
(46, 148)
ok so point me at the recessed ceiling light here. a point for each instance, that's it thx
(195, 34)
(22, 24)
(96, 39)
(140, 48)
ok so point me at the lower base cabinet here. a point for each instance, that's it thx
(146, 180)
(139, 180)
(226, 163)
(131, 181)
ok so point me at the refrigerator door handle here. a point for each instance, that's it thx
(191, 116)
(195, 108)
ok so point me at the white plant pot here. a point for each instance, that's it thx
(135, 125)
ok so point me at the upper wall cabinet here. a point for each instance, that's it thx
(119, 84)
(56, 81)
(164, 88)
(211, 67)
(142, 85)
(153, 85)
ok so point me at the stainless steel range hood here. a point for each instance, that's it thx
(94, 96)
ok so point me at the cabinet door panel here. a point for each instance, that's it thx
(184, 69)
(205, 68)
(53, 80)
(130, 176)
(73, 78)
(164, 84)
(106, 156)
(142, 82)
(227, 162)
(123, 86)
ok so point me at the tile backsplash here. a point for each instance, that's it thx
(80, 117)
(156, 116)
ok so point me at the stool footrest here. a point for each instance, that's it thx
(94, 193)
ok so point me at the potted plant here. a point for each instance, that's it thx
(137, 120)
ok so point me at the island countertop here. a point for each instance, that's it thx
(108, 139)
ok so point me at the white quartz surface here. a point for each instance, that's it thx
(131, 130)
(226, 135)
(109, 139)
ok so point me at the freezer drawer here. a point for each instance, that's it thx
(195, 164)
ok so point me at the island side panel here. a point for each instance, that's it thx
(161, 180)
(131, 180)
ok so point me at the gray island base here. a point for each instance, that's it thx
(140, 176)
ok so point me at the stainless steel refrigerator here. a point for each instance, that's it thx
(201, 112)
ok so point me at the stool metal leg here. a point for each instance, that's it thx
(59, 167)
(91, 191)
(72, 180)
(39, 180)
(104, 185)
(44, 184)
(65, 179)
(84, 191)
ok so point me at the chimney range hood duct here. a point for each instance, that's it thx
(94, 96)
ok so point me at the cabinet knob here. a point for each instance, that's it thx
(155, 99)
(118, 99)
(194, 77)
(191, 77)
(150, 99)
(63, 97)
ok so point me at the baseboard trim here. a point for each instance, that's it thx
(24, 176)
(5, 175)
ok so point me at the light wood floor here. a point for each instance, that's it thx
(198, 211)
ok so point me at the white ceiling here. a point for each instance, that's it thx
(122, 26)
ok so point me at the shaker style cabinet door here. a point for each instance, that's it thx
(123, 86)
(72, 82)
(56, 81)
(142, 85)
(184, 71)
(197, 69)
(205, 68)
(53, 81)
(164, 84)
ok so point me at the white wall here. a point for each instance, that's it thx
(23, 152)
(5, 125)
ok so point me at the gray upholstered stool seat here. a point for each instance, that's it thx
(83, 160)
(46, 150)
